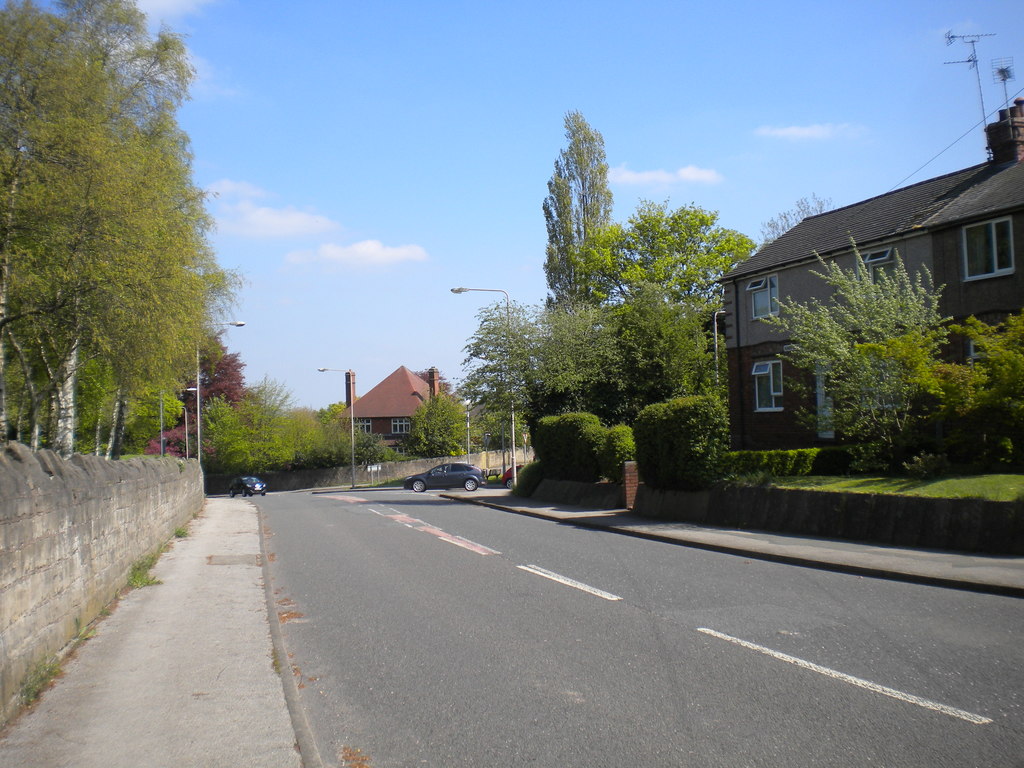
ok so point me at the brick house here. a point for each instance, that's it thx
(387, 409)
(966, 227)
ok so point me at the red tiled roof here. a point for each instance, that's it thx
(400, 394)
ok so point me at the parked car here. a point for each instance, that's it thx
(247, 485)
(506, 479)
(447, 476)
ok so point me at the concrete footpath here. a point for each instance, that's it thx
(181, 673)
(983, 573)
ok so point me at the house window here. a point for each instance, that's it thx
(364, 425)
(401, 426)
(767, 385)
(764, 296)
(878, 262)
(988, 249)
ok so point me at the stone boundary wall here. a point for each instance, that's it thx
(69, 533)
(967, 525)
(334, 477)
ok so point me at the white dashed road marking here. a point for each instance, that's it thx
(537, 570)
(970, 717)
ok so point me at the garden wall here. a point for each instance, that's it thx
(69, 533)
(969, 525)
(341, 477)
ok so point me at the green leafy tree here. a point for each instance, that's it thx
(578, 205)
(103, 251)
(982, 403)
(874, 344)
(684, 252)
(251, 435)
(438, 428)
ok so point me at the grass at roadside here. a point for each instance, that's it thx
(992, 487)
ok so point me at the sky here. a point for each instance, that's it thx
(362, 159)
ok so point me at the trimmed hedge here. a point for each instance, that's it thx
(803, 461)
(618, 448)
(567, 446)
(527, 479)
(681, 444)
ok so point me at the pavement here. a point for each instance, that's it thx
(184, 673)
(180, 674)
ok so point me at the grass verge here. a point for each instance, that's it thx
(990, 487)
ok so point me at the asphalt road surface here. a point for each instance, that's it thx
(426, 632)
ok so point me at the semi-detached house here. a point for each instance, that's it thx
(966, 227)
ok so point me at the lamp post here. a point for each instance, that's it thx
(351, 419)
(188, 389)
(511, 400)
(199, 400)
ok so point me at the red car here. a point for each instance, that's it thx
(506, 479)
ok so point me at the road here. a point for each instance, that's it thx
(426, 632)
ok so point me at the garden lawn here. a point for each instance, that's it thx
(992, 487)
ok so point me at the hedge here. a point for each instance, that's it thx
(681, 444)
(567, 446)
(803, 461)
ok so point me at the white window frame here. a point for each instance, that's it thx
(401, 425)
(992, 257)
(766, 285)
(364, 425)
(770, 370)
(877, 260)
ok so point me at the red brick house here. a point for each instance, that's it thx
(387, 409)
(966, 227)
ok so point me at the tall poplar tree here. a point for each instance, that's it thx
(578, 206)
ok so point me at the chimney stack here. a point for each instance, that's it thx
(350, 388)
(434, 382)
(1006, 138)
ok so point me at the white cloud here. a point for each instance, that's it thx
(250, 220)
(368, 253)
(811, 132)
(687, 174)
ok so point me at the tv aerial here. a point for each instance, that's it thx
(1002, 72)
(971, 60)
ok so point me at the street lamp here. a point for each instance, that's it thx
(512, 403)
(199, 400)
(188, 389)
(351, 418)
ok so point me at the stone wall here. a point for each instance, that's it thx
(969, 525)
(341, 477)
(69, 533)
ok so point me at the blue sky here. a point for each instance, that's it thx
(364, 158)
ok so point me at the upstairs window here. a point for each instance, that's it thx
(764, 296)
(401, 426)
(988, 249)
(878, 262)
(767, 385)
(364, 425)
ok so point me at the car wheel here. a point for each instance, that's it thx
(419, 486)
(232, 493)
(508, 483)
(471, 484)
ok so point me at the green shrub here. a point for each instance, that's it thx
(567, 446)
(792, 463)
(527, 479)
(681, 444)
(618, 448)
